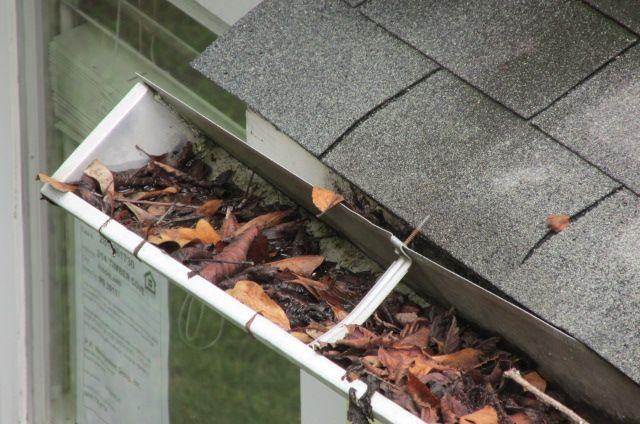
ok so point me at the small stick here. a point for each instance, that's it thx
(167, 213)
(514, 375)
(416, 230)
(152, 202)
(222, 261)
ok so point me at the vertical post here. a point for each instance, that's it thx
(13, 332)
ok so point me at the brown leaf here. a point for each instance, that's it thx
(229, 225)
(183, 236)
(143, 195)
(234, 252)
(420, 393)
(463, 359)
(338, 312)
(396, 361)
(429, 415)
(422, 366)
(143, 216)
(520, 418)
(486, 415)
(58, 185)
(557, 223)
(302, 265)
(252, 295)
(168, 168)
(452, 340)
(263, 221)
(302, 336)
(418, 339)
(258, 250)
(357, 337)
(210, 207)
(536, 380)
(103, 176)
(451, 408)
(325, 199)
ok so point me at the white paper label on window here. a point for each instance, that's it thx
(122, 335)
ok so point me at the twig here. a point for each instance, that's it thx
(152, 202)
(415, 231)
(167, 213)
(514, 375)
(222, 261)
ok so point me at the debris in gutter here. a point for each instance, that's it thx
(262, 253)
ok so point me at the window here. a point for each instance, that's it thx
(216, 372)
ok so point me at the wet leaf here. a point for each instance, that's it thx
(210, 207)
(264, 221)
(301, 265)
(486, 415)
(325, 199)
(302, 336)
(229, 225)
(168, 168)
(251, 294)
(143, 195)
(58, 185)
(557, 223)
(230, 257)
(420, 393)
(99, 172)
(463, 359)
(536, 380)
(142, 216)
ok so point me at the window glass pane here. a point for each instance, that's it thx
(216, 372)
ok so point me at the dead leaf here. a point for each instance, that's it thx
(302, 336)
(99, 172)
(210, 207)
(422, 366)
(263, 221)
(557, 223)
(301, 265)
(58, 185)
(429, 415)
(536, 380)
(325, 199)
(520, 418)
(418, 339)
(143, 195)
(229, 258)
(168, 168)
(229, 225)
(486, 415)
(451, 408)
(203, 232)
(452, 339)
(420, 393)
(143, 216)
(157, 210)
(252, 295)
(463, 359)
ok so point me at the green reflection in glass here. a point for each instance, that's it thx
(237, 380)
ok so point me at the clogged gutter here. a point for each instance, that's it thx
(260, 248)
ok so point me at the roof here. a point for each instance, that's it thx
(488, 117)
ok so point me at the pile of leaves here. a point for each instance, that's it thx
(261, 254)
(442, 372)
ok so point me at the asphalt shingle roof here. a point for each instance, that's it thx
(275, 59)
(600, 120)
(356, 87)
(523, 53)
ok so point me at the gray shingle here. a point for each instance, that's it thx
(586, 280)
(523, 53)
(355, 3)
(486, 178)
(601, 119)
(311, 67)
(624, 11)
